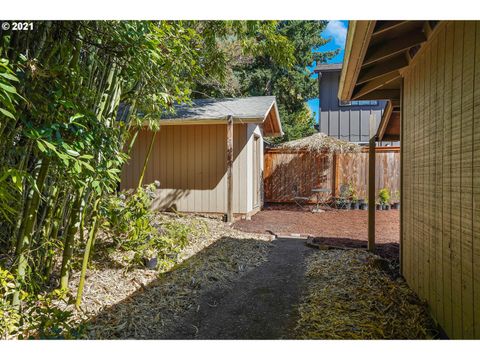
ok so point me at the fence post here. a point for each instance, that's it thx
(334, 174)
(371, 186)
(230, 169)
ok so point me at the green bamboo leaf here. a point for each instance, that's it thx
(77, 167)
(17, 181)
(72, 152)
(65, 158)
(50, 145)
(7, 113)
(9, 76)
(41, 146)
(75, 117)
(88, 166)
(8, 88)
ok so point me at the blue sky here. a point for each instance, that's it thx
(337, 32)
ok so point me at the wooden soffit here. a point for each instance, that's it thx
(376, 53)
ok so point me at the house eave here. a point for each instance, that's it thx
(358, 37)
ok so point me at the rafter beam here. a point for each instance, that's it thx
(383, 68)
(375, 84)
(395, 46)
(427, 29)
(384, 121)
(381, 94)
(387, 26)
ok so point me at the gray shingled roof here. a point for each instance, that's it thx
(255, 107)
(328, 67)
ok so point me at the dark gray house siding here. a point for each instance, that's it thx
(349, 122)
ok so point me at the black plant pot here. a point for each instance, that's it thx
(355, 206)
(150, 263)
(364, 206)
(385, 207)
(396, 206)
(379, 207)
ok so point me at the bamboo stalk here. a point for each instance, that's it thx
(69, 240)
(145, 163)
(25, 238)
(87, 254)
(43, 233)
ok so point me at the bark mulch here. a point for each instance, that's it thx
(343, 228)
(343, 224)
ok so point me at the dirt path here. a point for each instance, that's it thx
(261, 305)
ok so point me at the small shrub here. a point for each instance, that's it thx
(384, 196)
(130, 221)
(9, 316)
(38, 316)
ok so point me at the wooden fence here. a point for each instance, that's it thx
(287, 169)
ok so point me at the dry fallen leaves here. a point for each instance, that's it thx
(142, 303)
(359, 302)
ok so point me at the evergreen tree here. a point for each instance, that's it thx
(266, 73)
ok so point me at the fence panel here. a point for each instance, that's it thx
(286, 170)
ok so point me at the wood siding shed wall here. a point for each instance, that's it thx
(190, 163)
(441, 177)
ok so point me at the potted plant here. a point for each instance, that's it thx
(363, 204)
(378, 206)
(342, 203)
(355, 203)
(396, 200)
(352, 192)
(384, 197)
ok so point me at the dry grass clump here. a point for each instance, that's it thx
(349, 297)
(142, 303)
(321, 142)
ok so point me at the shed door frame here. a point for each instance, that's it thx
(256, 171)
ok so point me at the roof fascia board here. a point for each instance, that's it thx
(358, 37)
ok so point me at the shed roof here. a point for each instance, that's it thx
(328, 67)
(256, 109)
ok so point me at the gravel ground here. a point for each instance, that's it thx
(341, 224)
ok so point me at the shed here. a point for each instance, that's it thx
(190, 155)
(429, 71)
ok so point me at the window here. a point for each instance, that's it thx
(358, 103)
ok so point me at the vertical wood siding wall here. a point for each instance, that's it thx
(441, 177)
(285, 169)
(350, 123)
(190, 163)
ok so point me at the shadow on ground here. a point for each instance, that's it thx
(235, 288)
